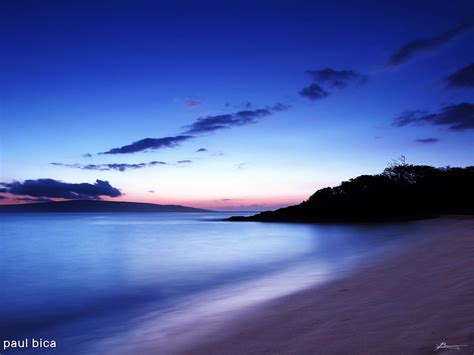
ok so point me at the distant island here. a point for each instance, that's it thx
(95, 206)
(401, 191)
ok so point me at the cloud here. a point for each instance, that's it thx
(214, 123)
(458, 117)
(112, 166)
(427, 140)
(50, 188)
(279, 107)
(243, 105)
(192, 103)
(2, 197)
(314, 92)
(462, 78)
(151, 191)
(184, 161)
(87, 155)
(149, 143)
(200, 126)
(337, 78)
(408, 50)
(328, 78)
(200, 150)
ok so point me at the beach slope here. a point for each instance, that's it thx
(404, 304)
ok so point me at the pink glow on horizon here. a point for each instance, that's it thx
(24, 199)
(224, 204)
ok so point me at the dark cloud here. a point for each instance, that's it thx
(462, 78)
(427, 140)
(328, 78)
(457, 117)
(151, 191)
(279, 107)
(405, 52)
(112, 166)
(87, 155)
(50, 188)
(408, 117)
(2, 197)
(243, 105)
(192, 103)
(314, 92)
(149, 143)
(200, 126)
(184, 161)
(214, 123)
(337, 78)
(200, 150)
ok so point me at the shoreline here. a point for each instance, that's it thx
(405, 304)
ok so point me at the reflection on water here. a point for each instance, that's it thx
(80, 278)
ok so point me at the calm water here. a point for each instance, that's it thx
(84, 278)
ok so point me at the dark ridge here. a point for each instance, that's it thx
(400, 192)
(95, 206)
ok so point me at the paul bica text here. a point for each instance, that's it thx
(29, 344)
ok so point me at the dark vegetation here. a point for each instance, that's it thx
(401, 191)
(95, 206)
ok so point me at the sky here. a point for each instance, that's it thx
(228, 105)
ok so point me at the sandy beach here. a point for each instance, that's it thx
(404, 304)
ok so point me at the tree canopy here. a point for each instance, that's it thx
(401, 191)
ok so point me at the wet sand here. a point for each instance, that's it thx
(404, 304)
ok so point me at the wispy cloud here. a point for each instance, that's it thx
(462, 78)
(149, 144)
(214, 123)
(247, 105)
(192, 103)
(201, 150)
(327, 79)
(410, 49)
(314, 92)
(458, 117)
(49, 188)
(427, 140)
(280, 107)
(184, 161)
(200, 126)
(240, 118)
(337, 78)
(112, 166)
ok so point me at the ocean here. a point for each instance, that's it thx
(89, 281)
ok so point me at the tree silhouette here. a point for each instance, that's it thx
(401, 191)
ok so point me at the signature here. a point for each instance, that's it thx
(443, 345)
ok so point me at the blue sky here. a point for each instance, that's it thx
(89, 76)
